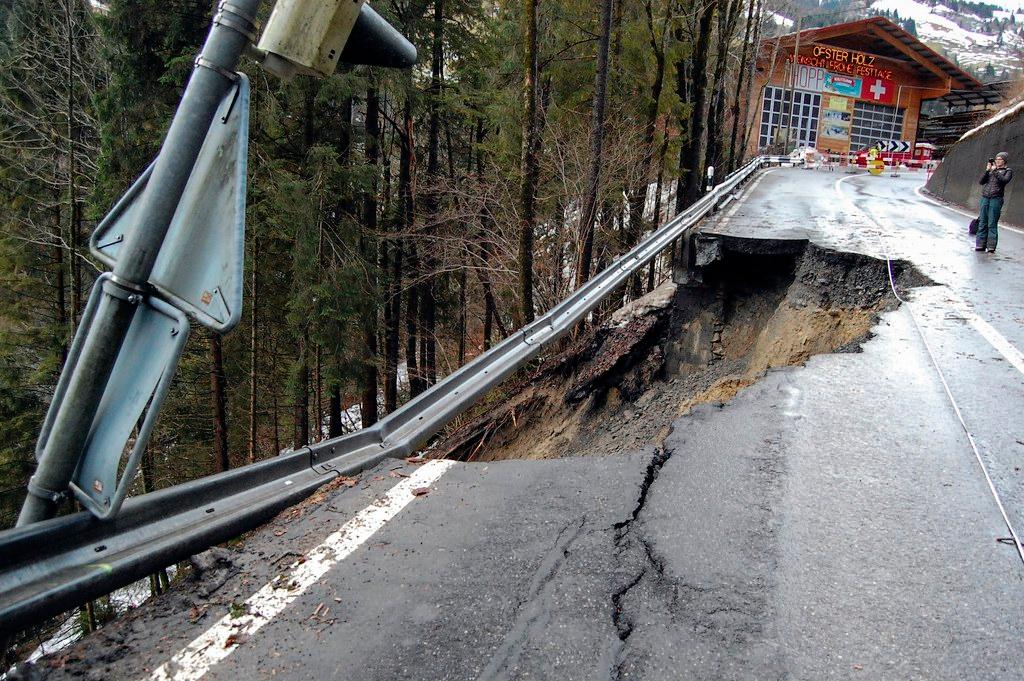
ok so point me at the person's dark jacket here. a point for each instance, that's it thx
(994, 182)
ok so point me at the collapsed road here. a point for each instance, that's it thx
(756, 474)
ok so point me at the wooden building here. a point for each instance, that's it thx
(850, 85)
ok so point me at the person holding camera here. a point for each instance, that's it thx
(993, 183)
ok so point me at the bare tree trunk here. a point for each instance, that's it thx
(752, 108)
(728, 18)
(462, 315)
(369, 392)
(428, 296)
(90, 617)
(696, 145)
(488, 319)
(429, 334)
(75, 208)
(392, 313)
(483, 272)
(391, 263)
(406, 173)
(219, 404)
(369, 313)
(60, 295)
(334, 427)
(300, 408)
(742, 72)
(684, 90)
(436, 78)
(638, 193)
(423, 341)
(589, 213)
(276, 406)
(412, 313)
(254, 350)
(658, 188)
(316, 428)
(530, 166)
(76, 262)
(158, 580)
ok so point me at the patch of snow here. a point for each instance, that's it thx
(1005, 113)
(962, 36)
(908, 9)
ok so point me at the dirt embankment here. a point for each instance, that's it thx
(759, 305)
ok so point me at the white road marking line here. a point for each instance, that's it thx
(997, 340)
(953, 208)
(750, 189)
(196, 659)
(737, 202)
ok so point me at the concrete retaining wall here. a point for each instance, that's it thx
(956, 178)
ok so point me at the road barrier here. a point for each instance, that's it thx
(58, 564)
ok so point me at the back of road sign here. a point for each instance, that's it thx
(127, 412)
(200, 266)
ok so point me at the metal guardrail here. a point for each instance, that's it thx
(58, 564)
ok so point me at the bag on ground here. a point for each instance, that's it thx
(972, 228)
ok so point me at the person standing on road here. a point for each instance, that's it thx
(993, 183)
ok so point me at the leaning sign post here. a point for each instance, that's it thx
(175, 243)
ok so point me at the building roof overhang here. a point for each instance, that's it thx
(882, 37)
(987, 95)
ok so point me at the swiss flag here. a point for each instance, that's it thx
(878, 90)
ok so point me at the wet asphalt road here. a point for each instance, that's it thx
(829, 522)
(889, 215)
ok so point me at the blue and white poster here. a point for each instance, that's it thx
(848, 86)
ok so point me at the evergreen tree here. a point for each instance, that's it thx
(49, 77)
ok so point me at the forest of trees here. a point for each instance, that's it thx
(399, 223)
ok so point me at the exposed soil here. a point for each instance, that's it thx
(754, 306)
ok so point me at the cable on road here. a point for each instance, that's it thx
(1014, 537)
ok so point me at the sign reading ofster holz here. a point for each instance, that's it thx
(841, 60)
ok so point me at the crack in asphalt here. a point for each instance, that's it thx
(661, 456)
(624, 536)
(533, 612)
(624, 626)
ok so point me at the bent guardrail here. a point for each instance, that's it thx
(58, 564)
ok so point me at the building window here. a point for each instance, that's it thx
(873, 123)
(775, 116)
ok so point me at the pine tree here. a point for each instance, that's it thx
(49, 77)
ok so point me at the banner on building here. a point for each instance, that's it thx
(836, 118)
(878, 90)
(846, 86)
(810, 78)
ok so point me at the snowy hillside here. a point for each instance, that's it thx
(986, 38)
